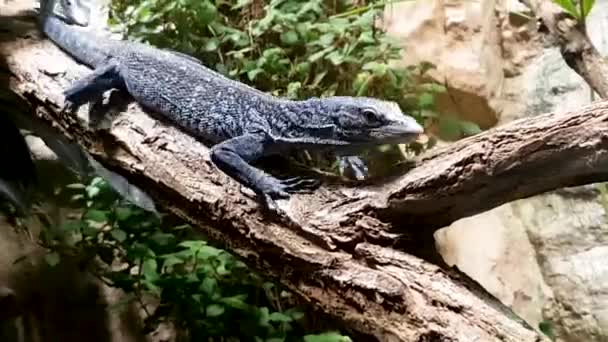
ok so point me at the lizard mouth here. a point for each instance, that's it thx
(396, 133)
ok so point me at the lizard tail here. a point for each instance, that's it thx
(84, 46)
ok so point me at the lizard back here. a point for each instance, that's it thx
(202, 101)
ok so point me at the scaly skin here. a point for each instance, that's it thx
(241, 122)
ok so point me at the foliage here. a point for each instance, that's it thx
(579, 9)
(209, 292)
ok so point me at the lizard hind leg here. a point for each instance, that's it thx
(91, 87)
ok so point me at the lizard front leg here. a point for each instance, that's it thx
(92, 86)
(233, 157)
(355, 164)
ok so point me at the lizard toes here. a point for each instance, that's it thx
(68, 107)
(290, 181)
(302, 184)
(279, 193)
(355, 165)
(271, 205)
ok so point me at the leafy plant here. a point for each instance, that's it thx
(579, 9)
(206, 290)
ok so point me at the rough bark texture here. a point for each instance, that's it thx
(340, 252)
(575, 45)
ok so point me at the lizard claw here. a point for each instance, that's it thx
(273, 188)
(300, 185)
(355, 164)
(68, 106)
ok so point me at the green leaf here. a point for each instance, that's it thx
(252, 74)
(426, 100)
(171, 261)
(263, 320)
(214, 310)
(335, 57)
(569, 6)
(96, 215)
(293, 88)
(297, 315)
(92, 191)
(118, 234)
(149, 269)
(241, 4)
(378, 69)
(433, 87)
(587, 6)
(71, 226)
(206, 252)
(123, 213)
(289, 37)
(366, 37)
(469, 128)
(318, 55)
(425, 113)
(327, 337)
(279, 317)
(52, 258)
(449, 128)
(193, 244)
(211, 44)
(208, 285)
(362, 83)
(206, 12)
(547, 328)
(275, 339)
(318, 78)
(327, 39)
(237, 302)
(302, 69)
(197, 298)
(161, 238)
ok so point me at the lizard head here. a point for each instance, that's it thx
(369, 121)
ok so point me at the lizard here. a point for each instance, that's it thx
(241, 123)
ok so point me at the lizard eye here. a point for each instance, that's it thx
(370, 115)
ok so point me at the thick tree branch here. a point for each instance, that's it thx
(350, 268)
(575, 45)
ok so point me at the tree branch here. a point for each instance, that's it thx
(346, 262)
(575, 46)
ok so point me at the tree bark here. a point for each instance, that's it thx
(344, 249)
(575, 46)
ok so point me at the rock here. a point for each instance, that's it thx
(459, 37)
(543, 256)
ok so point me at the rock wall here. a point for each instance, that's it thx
(543, 256)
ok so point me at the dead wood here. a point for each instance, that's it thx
(575, 46)
(348, 263)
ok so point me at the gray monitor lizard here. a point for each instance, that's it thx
(242, 123)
